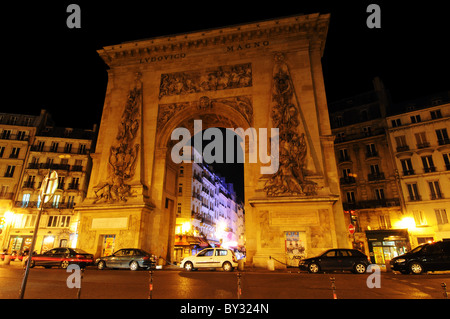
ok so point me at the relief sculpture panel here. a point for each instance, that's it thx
(219, 78)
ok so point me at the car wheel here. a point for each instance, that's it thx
(188, 266)
(134, 265)
(360, 269)
(101, 265)
(313, 268)
(416, 268)
(64, 264)
(227, 266)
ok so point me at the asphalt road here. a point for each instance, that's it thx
(207, 284)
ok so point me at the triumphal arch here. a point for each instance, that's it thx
(255, 76)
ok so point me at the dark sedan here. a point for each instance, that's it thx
(337, 259)
(427, 257)
(62, 257)
(131, 258)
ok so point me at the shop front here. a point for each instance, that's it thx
(387, 244)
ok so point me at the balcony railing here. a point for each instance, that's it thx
(444, 141)
(372, 204)
(375, 176)
(34, 204)
(347, 180)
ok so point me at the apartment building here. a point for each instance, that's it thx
(208, 212)
(44, 148)
(419, 137)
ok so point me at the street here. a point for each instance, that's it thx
(216, 284)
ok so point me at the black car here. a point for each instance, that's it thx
(337, 259)
(131, 258)
(62, 257)
(423, 258)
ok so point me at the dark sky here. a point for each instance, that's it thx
(47, 65)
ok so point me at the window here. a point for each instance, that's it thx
(367, 131)
(441, 216)
(82, 149)
(428, 164)
(435, 190)
(413, 192)
(371, 150)
(442, 136)
(350, 197)
(2, 150)
(58, 221)
(68, 148)
(15, 152)
(415, 118)
(206, 253)
(385, 222)
(436, 114)
(421, 139)
(30, 221)
(56, 199)
(221, 252)
(21, 135)
(401, 143)
(446, 161)
(407, 167)
(10, 171)
(379, 194)
(25, 200)
(331, 253)
(6, 134)
(70, 202)
(419, 218)
(343, 155)
(54, 147)
(396, 122)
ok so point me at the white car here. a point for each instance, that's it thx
(211, 258)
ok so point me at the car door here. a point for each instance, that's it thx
(114, 259)
(446, 255)
(345, 259)
(432, 256)
(125, 258)
(329, 260)
(45, 259)
(205, 258)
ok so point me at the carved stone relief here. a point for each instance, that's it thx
(124, 151)
(290, 177)
(220, 78)
(242, 104)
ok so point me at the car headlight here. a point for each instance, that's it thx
(400, 260)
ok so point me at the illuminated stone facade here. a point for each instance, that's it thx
(259, 75)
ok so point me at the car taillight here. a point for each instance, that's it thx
(234, 258)
(146, 258)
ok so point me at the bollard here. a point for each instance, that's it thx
(444, 287)
(333, 287)
(270, 264)
(79, 289)
(239, 290)
(150, 296)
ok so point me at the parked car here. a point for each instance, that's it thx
(211, 258)
(62, 257)
(132, 258)
(423, 258)
(337, 259)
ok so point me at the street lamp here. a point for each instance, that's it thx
(48, 188)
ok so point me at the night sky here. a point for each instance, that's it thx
(46, 65)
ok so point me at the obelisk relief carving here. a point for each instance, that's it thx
(293, 149)
(124, 151)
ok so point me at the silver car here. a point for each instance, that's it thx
(131, 258)
(211, 258)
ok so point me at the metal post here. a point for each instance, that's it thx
(444, 287)
(150, 296)
(333, 287)
(239, 290)
(33, 243)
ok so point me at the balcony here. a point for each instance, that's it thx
(343, 159)
(28, 184)
(423, 145)
(429, 169)
(402, 148)
(367, 204)
(436, 196)
(444, 141)
(33, 204)
(371, 154)
(415, 198)
(408, 172)
(375, 177)
(347, 180)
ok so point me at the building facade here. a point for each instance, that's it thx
(66, 151)
(419, 137)
(208, 212)
(369, 185)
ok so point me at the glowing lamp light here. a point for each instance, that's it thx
(8, 217)
(407, 222)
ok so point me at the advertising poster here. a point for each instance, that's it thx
(295, 247)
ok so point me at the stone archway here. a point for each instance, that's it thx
(261, 76)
